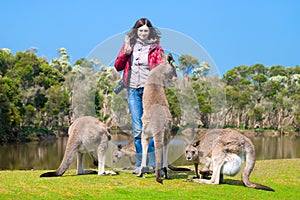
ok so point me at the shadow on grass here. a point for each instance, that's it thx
(180, 175)
(88, 172)
(233, 182)
(172, 175)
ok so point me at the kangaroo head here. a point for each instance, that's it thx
(191, 152)
(170, 72)
(117, 153)
(164, 74)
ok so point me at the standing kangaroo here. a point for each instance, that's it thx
(157, 118)
(223, 151)
(86, 135)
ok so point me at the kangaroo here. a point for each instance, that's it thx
(224, 154)
(86, 135)
(157, 117)
(202, 154)
(129, 150)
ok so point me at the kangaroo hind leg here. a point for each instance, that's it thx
(80, 164)
(145, 144)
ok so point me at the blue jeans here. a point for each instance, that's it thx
(135, 103)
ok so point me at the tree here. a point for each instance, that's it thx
(201, 70)
(10, 119)
(188, 63)
(62, 63)
(6, 61)
(56, 108)
(277, 71)
(84, 79)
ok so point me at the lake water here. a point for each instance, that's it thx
(48, 155)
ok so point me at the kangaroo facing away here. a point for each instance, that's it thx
(157, 118)
(86, 135)
(223, 151)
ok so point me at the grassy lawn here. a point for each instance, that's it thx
(281, 175)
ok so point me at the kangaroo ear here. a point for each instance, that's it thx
(163, 57)
(170, 58)
(119, 146)
(196, 143)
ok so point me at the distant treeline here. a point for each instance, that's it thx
(37, 96)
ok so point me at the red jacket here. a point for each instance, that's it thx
(123, 61)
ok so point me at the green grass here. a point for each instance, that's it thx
(281, 175)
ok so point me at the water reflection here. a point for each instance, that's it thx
(276, 147)
(48, 155)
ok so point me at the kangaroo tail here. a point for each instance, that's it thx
(49, 174)
(70, 151)
(263, 187)
(65, 163)
(250, 162)
(178, 169)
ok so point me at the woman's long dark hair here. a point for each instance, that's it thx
(154, 33)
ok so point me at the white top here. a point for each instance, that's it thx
(139, 64)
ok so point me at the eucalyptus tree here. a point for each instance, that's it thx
(62, 63)
(277, 70)
(201, 70)
(238, 95)
(174, 104)
(206, 97)
(6, 60)
(56, 109)
(107, 81)
(82, 81)
(185, 98)
(296, 111)
(26, 66)
(10, 113)
(188, 63)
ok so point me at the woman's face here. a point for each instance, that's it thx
(143, 32)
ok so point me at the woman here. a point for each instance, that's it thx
(140, 53)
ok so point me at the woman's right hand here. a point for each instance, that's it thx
(127, 48)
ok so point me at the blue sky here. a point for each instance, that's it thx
(233, 32)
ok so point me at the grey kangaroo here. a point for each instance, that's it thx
(157, 118)
(222, 151)
(129, 150)
(201, 154)
(86, 135)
